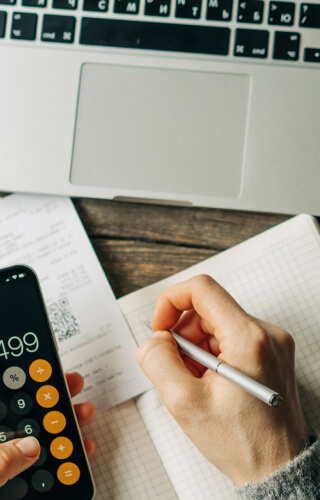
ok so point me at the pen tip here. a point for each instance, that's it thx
(276, 400)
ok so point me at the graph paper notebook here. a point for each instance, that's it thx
(142, 453)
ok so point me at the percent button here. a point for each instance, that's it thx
(14, 377)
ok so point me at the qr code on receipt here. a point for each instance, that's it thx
(63, 322)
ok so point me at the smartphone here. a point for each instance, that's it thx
(34, 397)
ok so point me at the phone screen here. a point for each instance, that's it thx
(34, 399)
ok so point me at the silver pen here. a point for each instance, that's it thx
(250, 385)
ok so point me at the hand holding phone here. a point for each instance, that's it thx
(34, 398)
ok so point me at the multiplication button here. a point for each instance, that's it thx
(40, 370)
(14, 377)
(47, 396)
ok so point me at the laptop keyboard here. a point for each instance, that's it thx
(270, 31)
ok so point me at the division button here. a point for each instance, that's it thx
(47, 396)
(42, 481)
(68, 473)
(21, 403)
(61, 448)
(40, 370)
(14, 377)
(54, 422)
(15, 489)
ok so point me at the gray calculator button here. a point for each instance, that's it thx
(28, 427)
(14, 377)
(6, 434)
(42, 458)
(42, 481)
(15, 489)
(21, 403)
(3, 410)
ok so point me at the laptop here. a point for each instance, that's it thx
(211, 103)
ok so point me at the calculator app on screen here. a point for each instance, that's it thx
(34, 400)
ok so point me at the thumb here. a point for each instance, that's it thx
(160, 360)
(16, 456)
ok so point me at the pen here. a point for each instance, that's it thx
(258, 390)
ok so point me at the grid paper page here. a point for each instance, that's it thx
(274, 276)
(126, 465)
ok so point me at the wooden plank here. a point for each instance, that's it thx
(188, 226)
(130, 265)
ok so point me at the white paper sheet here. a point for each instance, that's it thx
(274, 276)
(93, 338)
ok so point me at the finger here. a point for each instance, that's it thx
(213, 304)
(75, 383)
(16, 456)
(85, 413)
(195, 329)
(90, 447)
(160, 360)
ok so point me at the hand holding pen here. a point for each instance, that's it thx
(241, 435)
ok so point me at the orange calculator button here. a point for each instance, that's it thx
(54, 422)
(47, 396)
(61, 448)
(68, 473)
(40, 370)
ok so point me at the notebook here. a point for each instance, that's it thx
(209, 103)
(141, 451)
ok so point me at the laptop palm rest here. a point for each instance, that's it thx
(160, 131)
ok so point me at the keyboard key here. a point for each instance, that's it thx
(309, 15)
(286, 46)
(251, 43)
(65, 4)
(188, 9)
(126, 6)
(281, 13)
(24, 26)
(95, 5)
(34, 3)
(250, 11)
(8, 2)
(219, 10)
(58, 29)
(155, 36)
(157, 8)
(312, 55)
(3, 19)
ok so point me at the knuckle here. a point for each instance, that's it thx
(183, 401)
(287, 342)
(262, 341)
(203, 279)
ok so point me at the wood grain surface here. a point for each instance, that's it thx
(138, 244)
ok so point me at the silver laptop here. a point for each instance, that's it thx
(212, 103)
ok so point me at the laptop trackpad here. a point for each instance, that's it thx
(159, 130)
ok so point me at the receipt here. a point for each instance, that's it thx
(45, 233)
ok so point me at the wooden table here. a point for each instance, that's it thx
(139, 244)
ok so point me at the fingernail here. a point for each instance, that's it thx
(29, 446)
